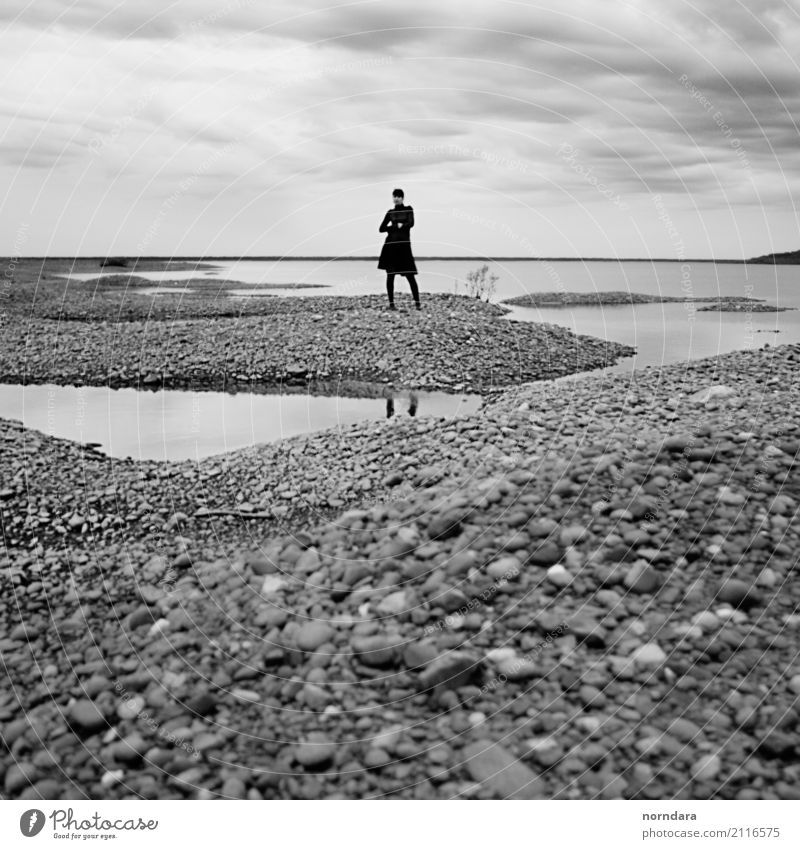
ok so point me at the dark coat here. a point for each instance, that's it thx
(396, 256)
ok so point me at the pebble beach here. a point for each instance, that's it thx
(584, 590)
(104, 332)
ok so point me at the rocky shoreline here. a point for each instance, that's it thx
(585, 590)
(620, 298)
(454, 344)
(735, 305)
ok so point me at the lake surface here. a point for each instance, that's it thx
(361, 277)
(174, 425)
(662, 333)
(665, 334)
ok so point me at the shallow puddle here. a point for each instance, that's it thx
(176, 425)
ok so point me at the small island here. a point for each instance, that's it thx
(735, 305)
(616, 298)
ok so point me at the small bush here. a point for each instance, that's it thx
(481, 283)
(116, 261)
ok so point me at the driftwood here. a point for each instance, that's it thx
(233, 513)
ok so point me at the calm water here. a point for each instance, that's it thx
(360, 277)
(668, 333)
(173, 425)
(662, 333)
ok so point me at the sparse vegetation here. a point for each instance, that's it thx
(482, 283)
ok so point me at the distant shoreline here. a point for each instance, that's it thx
(175, 259)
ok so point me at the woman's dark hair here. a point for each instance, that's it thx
(398, 193)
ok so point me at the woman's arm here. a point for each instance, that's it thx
(410, 211)
(384, 228)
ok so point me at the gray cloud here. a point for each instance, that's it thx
(699, 102)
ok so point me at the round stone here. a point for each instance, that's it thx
(558, 576)
(376, 758)
(388, 738)
(541, 527)
(706, 768)
(546, 554)
(504, 568)
(518, 668)
(738, 594)
(394, 603)
(130, 707)
(649, 656)
(461, 562)
(447, 524)
(378, 650)
(182, 561)
(544, 751)
(202, 703)
(767, 578)
(500, 655)
(476, 719)
(271, 585)
(316, 697)
(706, 619)
(312, 635)
(18, 776)
(641, 578)
(85, 716)
(450, 670)
(316, 752)
(141, 616)
(129, 750)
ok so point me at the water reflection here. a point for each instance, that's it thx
(413, 402)
(174, 425)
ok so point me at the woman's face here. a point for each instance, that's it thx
(398, 200)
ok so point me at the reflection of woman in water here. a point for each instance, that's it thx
(396, 256)
(413, 400)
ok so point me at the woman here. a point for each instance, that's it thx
(396, 256)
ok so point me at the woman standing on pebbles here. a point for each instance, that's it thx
(396, 256)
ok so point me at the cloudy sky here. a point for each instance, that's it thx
(553, 128)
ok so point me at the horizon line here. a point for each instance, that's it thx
(313, 258)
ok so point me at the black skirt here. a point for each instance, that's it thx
(396, 258)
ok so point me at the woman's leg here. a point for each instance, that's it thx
(390, 288)
(412, 282)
